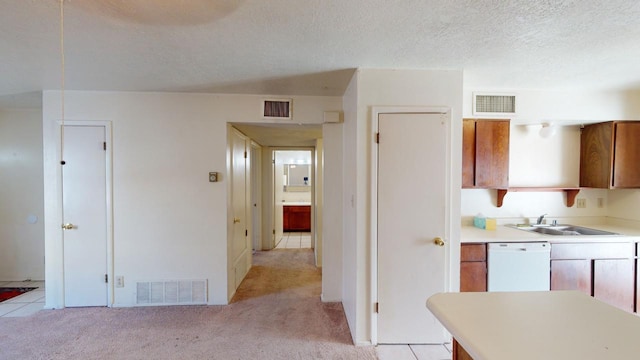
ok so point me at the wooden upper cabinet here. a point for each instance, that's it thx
(468, 153)
(485, 153)
(610, 155)
(626, 162)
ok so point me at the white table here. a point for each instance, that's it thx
(543, 325)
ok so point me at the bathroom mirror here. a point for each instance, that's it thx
(297, 177)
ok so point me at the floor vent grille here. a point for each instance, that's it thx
(172, 292)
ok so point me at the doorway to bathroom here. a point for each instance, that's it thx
(293, 198)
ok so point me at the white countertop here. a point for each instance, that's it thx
(470, 234)
(537, 325)
(296, 203)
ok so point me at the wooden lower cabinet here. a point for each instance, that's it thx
(296, 218)
(458, 352)
(571, 275)
(473, 267)
(613, 282)
(605, 271)
(473, 278)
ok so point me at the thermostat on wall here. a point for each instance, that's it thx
(213, 177)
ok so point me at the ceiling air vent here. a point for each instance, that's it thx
(494, 104)
(276, 108)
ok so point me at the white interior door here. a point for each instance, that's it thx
(240, 242)
(411, 213)
(85, 216)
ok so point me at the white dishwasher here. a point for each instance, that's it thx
(519, 266)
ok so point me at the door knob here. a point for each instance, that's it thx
(438, 241)
(236, 220)
(67, 226)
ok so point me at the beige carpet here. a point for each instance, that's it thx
(276, 314)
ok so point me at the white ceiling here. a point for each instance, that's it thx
(311, 47)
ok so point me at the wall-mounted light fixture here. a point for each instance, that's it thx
(547, 130)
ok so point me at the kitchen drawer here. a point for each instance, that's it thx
(592, 251)
(473, 252)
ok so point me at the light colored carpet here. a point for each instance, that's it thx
(276, 314)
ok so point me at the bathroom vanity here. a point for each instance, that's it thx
(296, 217)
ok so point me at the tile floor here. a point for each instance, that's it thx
(414, 352)
(26, 304)
(295, 240)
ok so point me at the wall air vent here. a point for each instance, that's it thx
(172, 292)
(276, 109)
(494, 104)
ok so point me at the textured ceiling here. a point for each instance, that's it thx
(311, 47)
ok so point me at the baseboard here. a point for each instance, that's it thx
(328, 300)
(363, 343)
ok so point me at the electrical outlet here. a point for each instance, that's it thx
(581, 203)
(600, 202)
(120, 281)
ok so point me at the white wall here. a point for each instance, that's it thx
(319, 194)
(554, 161)
(332, 223)
(624, 204)
(267, 199)
(564, 106)
(169, 221)
(350, 277)
(21, 242)
(371, 88)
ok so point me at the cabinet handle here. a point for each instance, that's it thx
(438, 241)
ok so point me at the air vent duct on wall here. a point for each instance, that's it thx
(276, 108)
(173, 292)
(494, 104)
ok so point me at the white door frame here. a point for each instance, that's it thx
(256, 195)
(232, 283)
(375, 112)
(313, 186)
(109, 204)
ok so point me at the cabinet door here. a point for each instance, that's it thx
(285, 218)
(468, 153)
(571, 275)
(473, 276)
(613, 282)
(596, 141)
(492, 154)
(298, 218)
(626, 168)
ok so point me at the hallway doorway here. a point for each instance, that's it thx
(294, 188)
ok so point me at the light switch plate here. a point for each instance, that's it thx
(213, 177)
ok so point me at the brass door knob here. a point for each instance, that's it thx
(236, 220)
(438, 241)
(67, 226)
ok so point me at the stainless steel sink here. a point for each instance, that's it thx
(565, 230)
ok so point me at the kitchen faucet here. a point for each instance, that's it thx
(540, 218)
